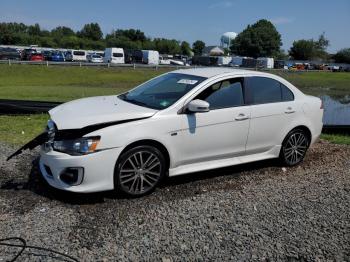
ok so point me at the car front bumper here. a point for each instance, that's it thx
(98, 169)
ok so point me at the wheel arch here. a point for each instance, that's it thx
(148, 142)
(301, 127)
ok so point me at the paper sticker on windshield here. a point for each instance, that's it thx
(187, 81)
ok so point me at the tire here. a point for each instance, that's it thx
(139, 170)
(294, 147)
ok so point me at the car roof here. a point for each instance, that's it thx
(209, 72)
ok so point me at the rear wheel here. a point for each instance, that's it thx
(139, 170)
(294, 147)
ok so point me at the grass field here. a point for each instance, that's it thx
(57, 83)
(66, 83)
(336, 85)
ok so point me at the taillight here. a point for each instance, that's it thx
(321, 107)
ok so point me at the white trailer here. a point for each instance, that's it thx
(150, 57)
(114, 55)
(266, 62)
(224, 60)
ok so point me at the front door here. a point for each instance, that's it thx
(221, 132)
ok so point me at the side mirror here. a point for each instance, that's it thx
(198, 106)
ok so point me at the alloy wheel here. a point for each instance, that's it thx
(140, 172)
(295, 148)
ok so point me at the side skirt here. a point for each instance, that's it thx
(213, 164)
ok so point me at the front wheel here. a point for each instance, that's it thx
(294, 147)
(139, 170)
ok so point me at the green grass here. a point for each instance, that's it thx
(337, 138)
(336, 85)
(21, 129)
(64, 83)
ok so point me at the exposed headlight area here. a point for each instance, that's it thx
(80, 146)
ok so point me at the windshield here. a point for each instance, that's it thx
(162, 91)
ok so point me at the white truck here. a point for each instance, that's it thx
(76, 55)
(150, 57)
(224, 60)
(265, 62)
(114, 55)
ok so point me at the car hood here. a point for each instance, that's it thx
(96, 110)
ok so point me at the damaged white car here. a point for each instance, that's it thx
(180, 122)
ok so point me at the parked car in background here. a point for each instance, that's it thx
(36, 57)
(181, 122)
(93, 58)
(114, 55)
(58, 56)
(26, 53)
(76, 56)
(46, 54)
(9, 54)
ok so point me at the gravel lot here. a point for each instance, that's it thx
(251, 212)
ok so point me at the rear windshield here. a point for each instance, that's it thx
(79, 53)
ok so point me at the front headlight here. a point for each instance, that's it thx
(80, 146)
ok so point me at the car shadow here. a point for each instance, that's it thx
(38, 185)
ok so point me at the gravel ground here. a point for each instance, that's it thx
(257, 211)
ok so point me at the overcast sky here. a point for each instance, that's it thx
(191, 20)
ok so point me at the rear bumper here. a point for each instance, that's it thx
(98, 169)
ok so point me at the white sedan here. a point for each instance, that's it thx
(180, 122)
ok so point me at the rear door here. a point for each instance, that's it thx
(272, 110)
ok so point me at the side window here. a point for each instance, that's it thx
(287, 95)
(224, 94)
(262, 90)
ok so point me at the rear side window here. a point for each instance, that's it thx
(287, 95)
(224, 94)
(262, 90)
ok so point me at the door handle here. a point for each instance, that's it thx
(289, 110)
(241, 117)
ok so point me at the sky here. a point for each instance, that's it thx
(191, 20)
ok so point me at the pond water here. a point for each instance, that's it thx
(336, 111)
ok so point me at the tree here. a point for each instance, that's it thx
(310, 49)
(342, 56)
(302, 50)
(62, 31)
(34, 30)
(258, 40)
(167, 46)
(198, 47)
(185, 48)
(132, 34)
(128, 39)
(91, 31)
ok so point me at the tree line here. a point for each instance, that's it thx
(89, 37)
(258, 40)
